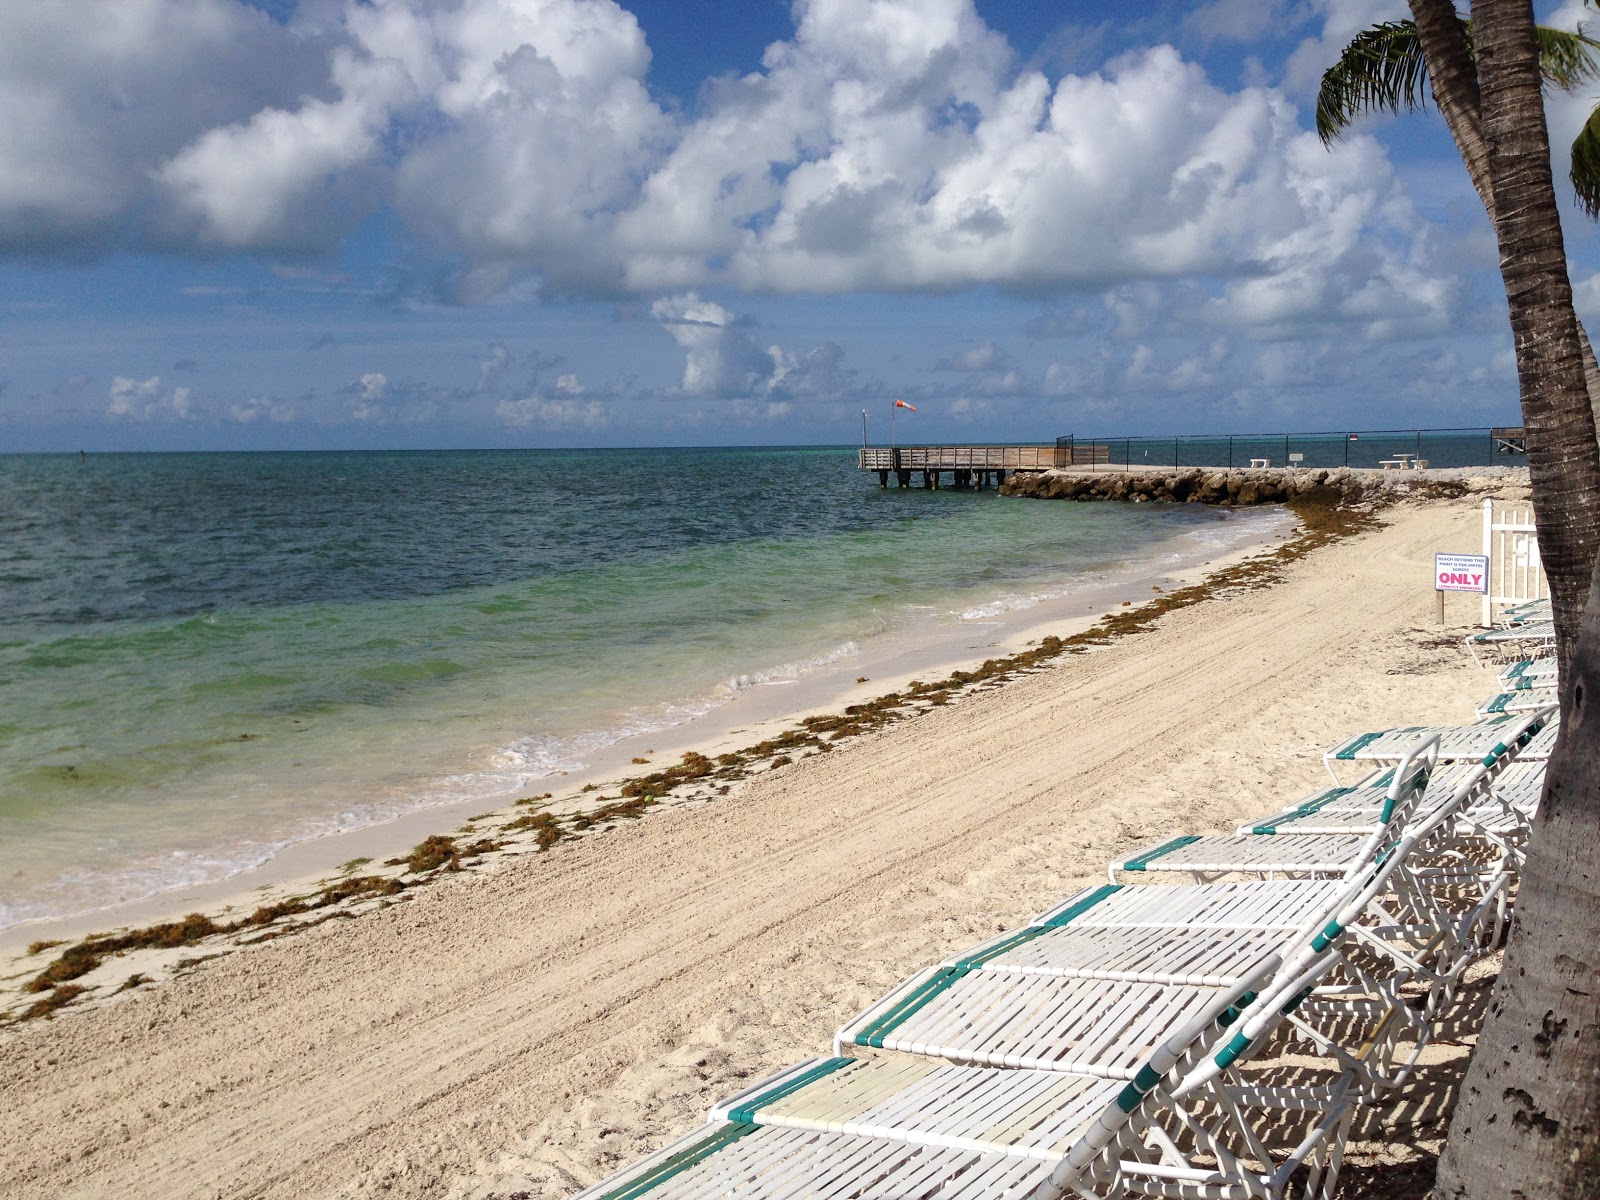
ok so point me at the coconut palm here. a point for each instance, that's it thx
(1382, 70)
(1525, 1122)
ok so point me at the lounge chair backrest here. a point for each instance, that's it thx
(1213, 1017)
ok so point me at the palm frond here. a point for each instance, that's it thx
(1585, 172)
(1381, 70)
(1566, 57)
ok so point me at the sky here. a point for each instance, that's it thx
(347, 224)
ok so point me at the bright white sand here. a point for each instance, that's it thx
(533, 1026)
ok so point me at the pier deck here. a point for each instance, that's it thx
(972, 466)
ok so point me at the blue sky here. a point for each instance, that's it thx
(408, 223)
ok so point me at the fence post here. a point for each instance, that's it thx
(1230, 452)
(1286, 449)
(1488, 551)
(1174, 451)
(1347, 447)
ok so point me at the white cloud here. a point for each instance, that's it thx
(130, 397)
(367, 397)
(494, 365)
(259, 408)
(721, 359)
(1239, 20)
(276, 179)
(95, 99)
(559, 412)
(141, 400)
(1341, 21)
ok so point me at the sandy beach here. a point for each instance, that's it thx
(523, 1029)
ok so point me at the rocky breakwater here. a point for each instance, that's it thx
(1204, 485)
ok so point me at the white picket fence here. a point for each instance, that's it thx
(1511, 544)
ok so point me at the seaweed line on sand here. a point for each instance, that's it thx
(1322, 520)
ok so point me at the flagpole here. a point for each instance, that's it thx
(863, 429)
(892, 442)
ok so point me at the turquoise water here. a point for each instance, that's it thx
(206, 657)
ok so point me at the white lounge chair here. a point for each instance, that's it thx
(1269, 852)
(1521, 700)
(1456, 743)
(1529, 673)
(1517, 640)
(1527, 611)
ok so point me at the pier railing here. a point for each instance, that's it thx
(1477, 446)
(978, 458)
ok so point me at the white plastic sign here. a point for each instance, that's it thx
(1461, 573)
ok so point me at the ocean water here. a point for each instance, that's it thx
(207, 657)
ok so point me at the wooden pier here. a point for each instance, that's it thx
(1510, 439)
(974, 467)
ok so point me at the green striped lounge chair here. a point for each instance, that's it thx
(1529, 673)
(1528, 610)
(1515, 640)
(1509, 806)
(1520, 700)
(1480, 816)
(1090, 987)
(1456, 743)
(1291, 853)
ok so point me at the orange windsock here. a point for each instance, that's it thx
(903, 404)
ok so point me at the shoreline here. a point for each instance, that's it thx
(526, 1029)
(752, 713)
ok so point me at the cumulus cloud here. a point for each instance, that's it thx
(128, 396)
(818, 374)
(260, 408)
(494, 365)
(561, 411)
(721, 358)
(367, 396)
(141, 400)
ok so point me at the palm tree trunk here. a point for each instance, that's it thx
(1454, 80)
(1528, 1120)
(1563, 460)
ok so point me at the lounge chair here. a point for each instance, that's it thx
(1514, 639)
(1456, 743)
(1521, 700)
(1526, 612)
(1529, 673)
(1264, 851)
